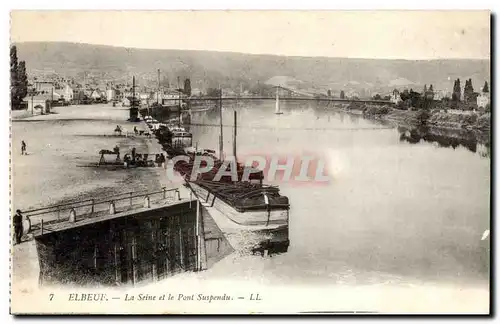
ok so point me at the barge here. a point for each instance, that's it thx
(253, 216)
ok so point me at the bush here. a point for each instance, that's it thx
(469, 120)
(402, 105)
(377, 110)
(356, 106)
(423, 116)
(484, 121)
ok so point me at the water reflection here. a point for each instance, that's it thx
(446, 138)
(401, 211)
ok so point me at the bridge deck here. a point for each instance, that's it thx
(79, 213)
(103, 216)
(329, 99)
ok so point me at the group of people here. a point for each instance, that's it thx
(142, 159)
(160, 159)
(141, 132)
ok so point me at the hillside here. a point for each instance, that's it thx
(207, 68)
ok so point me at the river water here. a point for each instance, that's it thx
(395, 209)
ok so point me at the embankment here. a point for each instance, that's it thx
(471, 121)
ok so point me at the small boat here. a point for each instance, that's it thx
(181, 134)
(181, 138)
(177, 129)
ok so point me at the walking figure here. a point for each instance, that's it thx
(23, 148)
(162, 161)
(116, 150)
(118, 130)
(18, 226)
(133, 154)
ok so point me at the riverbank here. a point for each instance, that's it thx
(479, 123)
(61, 148)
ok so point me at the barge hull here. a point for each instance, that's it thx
(258, 218)
(247, 237)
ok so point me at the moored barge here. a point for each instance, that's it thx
(253, 216)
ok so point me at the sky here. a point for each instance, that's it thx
(355, 34)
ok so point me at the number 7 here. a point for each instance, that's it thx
(51, 296)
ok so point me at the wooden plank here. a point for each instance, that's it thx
(134, 259)
(181, 244)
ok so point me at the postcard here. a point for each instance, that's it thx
(250, 162)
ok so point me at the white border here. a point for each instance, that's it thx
(184, 4)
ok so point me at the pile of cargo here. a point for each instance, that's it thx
(244, 196)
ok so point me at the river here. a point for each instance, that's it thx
(395, 210)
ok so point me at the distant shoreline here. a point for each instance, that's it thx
(438, 121)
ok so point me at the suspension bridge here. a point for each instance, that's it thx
(292, 95)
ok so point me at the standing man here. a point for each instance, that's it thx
(133, 154)
(23, 148)
(18, 226)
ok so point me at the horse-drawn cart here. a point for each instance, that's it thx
(116, 161)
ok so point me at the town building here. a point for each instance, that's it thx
(44, 87)
(65, 92)
(441, 94)
(97, 95)
(126, 101)
(38, 104)
(110, 94)
(396, 97)
(118, 95)
(144, 98)
(483, 99)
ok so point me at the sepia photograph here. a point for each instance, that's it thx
(250, 162)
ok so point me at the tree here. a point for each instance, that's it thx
(329, 93)
(415, 99)
(425, 89)
(405, 95)
(342, 94)
(468, 91)
(187, 87)
(14, 83)
(430, 93)
(456, 91)
(422, 116)
(486, 88)
(22, 80)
